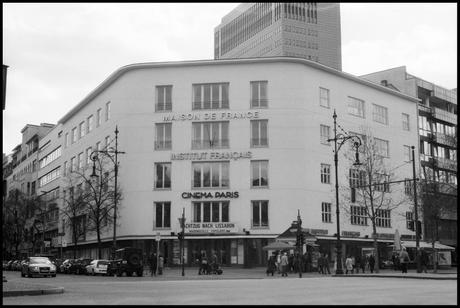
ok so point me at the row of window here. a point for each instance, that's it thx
(86, 126)
(77, 162)
(212, 174)
(50, 176)
(45, 161)
(211, 135)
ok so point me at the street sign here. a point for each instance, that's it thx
(157, 238)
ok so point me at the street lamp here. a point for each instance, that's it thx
(341, 138)
(181, 239)
(94, 157)
(296, 227)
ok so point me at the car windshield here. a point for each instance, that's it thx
(40, 260)
(103, 262)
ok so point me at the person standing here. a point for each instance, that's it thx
(153, 265)
(424, 260)
(326, 264)
(160, 265)
(363, 263)
(404, 260)
(320, 264)
(284, 264)
(357, 264)
(271, 266)
(353, 262)
(278, 262)
(371, 263)
(349, 265)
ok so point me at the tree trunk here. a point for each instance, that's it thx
(99, 252)
(376, 248)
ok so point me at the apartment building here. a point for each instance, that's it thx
(308, 30)
(437, 129)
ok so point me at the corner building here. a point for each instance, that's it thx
(239, 146)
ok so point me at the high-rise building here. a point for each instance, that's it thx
(307, 30)
(438, 131)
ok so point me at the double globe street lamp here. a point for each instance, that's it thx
(341, 139)
(108, 153)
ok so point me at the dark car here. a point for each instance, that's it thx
(127, 260)
(65, 266)
(38, 266)
(79, 266)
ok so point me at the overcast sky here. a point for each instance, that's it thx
(58, 53)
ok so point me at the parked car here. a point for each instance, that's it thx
(5, 265)
(79, 267)
(65, 266)
(127, 260)
(58, 263)
(38, 266)
(97, 267)
(16, 266)
(9, 265)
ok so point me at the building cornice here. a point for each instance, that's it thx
(148, 65)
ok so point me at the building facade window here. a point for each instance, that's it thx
(73, 166)
(81, 129)
(325, 132)
(405, 121)
(383, 218)
(210, 96)
(408, 185)
(65, 168)
(259, 173)
(98, 117)
(325, 173)
(163, 136)
(259, 97)
(163, 98)
(50, 176)
(355, 107)
(162, 215)
(326, 212)
(357, 178)
(89, 124)
(210, 135)
(74, 135)
(382, 181)
(107, 142)
(80, 161)
(358, 215)
(162, 175)
(215, 174)
(324, 97)
(107, 111)
(66, 140)
(259, 133)
(216, 211)
(382, 147)
(88, 155)
(407, 153)
(380, 114)
(259, 214)
(45, 161)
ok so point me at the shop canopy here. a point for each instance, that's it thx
(278, 245)
(411, 244)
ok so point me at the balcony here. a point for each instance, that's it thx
(443, 115)
(444, 139)
(424, 108)
(444, 163)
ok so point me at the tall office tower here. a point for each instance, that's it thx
(437, 125)
(295, 29)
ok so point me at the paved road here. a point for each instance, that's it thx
(84, 290)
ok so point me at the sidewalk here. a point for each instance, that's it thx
(17, 288)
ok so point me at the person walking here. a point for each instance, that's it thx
(271, 264)
(326, 264)
(404, 260)
(153, 264)
(349, 265)
(371, 263)
(160, 265)
(357, 264)
(284, 264)
(363, 263)
(424, 260)
(203, 265)
(320, 264)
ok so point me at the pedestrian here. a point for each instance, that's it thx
(404, 260)
(284, 264)
(353, 262)
(214, 264)
(371, 263)
(203, 265)
(363, 263)
(424, 260)
(153, 265)
(393, 259)
(349, 265)
(357, 264)
(320, 264)
(271, 264)
(160, 265)
(278, 262)
(291, 262)
(326, 264)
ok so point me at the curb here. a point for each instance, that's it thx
(33, 292)
(395, 276)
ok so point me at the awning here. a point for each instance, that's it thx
(411, 244)
(278, 245)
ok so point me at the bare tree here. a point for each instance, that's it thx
(369, 185)
(97, 197)
(14, 221)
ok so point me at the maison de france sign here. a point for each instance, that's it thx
(211, 116)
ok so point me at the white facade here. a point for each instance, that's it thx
(294, 152)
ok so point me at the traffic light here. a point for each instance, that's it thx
(410, 225)
(180, 236)
(353, 195)
(300, 240)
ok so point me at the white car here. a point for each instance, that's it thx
(97, 267)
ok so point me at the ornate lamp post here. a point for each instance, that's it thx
(341, 139)
(108, 153)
